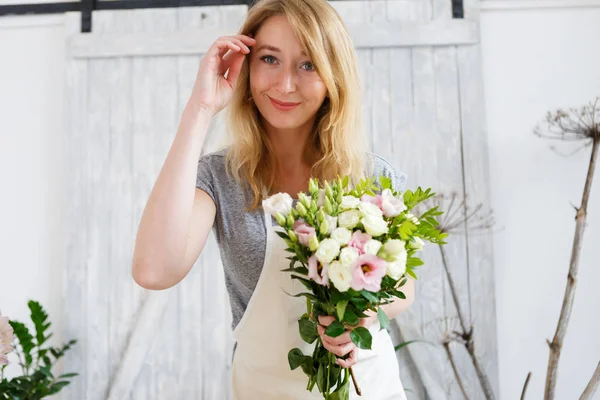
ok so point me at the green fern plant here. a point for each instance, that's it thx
(36, 359)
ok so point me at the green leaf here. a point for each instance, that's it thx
(308, 329)
(321, 378)
(404, 344)
(350, 317)
(361, 337)
(345, 181)
(341, 309)
(369, 296)
(342, 393)
(65, 376)
(25, 340)
(295, 358)
(360, 303)
(282, 235)
(335, 329)
(411, 273)
(384, 321)
(414, 262)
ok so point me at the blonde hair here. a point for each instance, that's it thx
(338, 144)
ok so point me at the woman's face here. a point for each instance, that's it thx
(284, 84)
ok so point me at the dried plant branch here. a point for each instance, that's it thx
(457, 216)
(456, 374)
(525, 386)
(592, 386)
(583, 125)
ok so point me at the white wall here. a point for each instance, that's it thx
(533, 60)
(32, 54)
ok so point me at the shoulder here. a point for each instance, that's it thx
(215, 157)
(378, 165)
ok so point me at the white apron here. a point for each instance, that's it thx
(268, 330)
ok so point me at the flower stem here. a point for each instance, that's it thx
(358, 392)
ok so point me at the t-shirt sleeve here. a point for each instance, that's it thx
(384, 167)
(205, 177)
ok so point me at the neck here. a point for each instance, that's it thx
(290, 147)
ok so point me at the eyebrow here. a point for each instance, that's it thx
(273, 48)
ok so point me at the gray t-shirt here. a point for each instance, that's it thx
(240, 234)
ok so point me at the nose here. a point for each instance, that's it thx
(286, 80)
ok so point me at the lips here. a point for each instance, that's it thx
(283, 106)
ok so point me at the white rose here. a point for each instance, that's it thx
(349, 202)
(327, 251)
(417, 244)
(349, 219)
(278, 203)
(331, 223)
(369, 209)
(397, 268)
(392, 206)
(372, 246)
(341, 235)
(392, 249)
(348, 255)
(375, 226)
(340, 275)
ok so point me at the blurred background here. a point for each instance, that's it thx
(90, 102)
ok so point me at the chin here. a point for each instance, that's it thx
(283, 121)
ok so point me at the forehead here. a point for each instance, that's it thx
(277, 32)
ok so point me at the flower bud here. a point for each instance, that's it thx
(321, 216)
(313, 186)
(324, 228)
(280, 219)
(328, 190)
(292, 235)
(304, 200)
(328, 206)
(302, 211)
(290, 220)
(313, 243)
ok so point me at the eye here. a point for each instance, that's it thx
(308, 66)
(269, 59)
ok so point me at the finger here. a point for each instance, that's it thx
(229, 59)
(342, 339)
(234, 70)
(350, 361)
(221, 47)
(247, 39)
(326, 320)
(339, 350)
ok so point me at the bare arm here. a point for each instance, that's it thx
(178, 217)
(165, 247)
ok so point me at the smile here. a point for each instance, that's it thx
(283, 106)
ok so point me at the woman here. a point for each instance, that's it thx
(290, 79)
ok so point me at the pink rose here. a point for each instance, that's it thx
(358, 241)
(377, 200)
(317, 271)
(6, 338)
(367, 272)
(304, 232)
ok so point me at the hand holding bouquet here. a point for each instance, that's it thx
(352, 249)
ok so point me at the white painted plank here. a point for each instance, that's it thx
(144, 333)
(450, 177)
(197, 41)
(99, 245)
(381, 107)
(476, 169)
(77, 201)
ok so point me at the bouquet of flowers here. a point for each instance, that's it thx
(352, 249)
